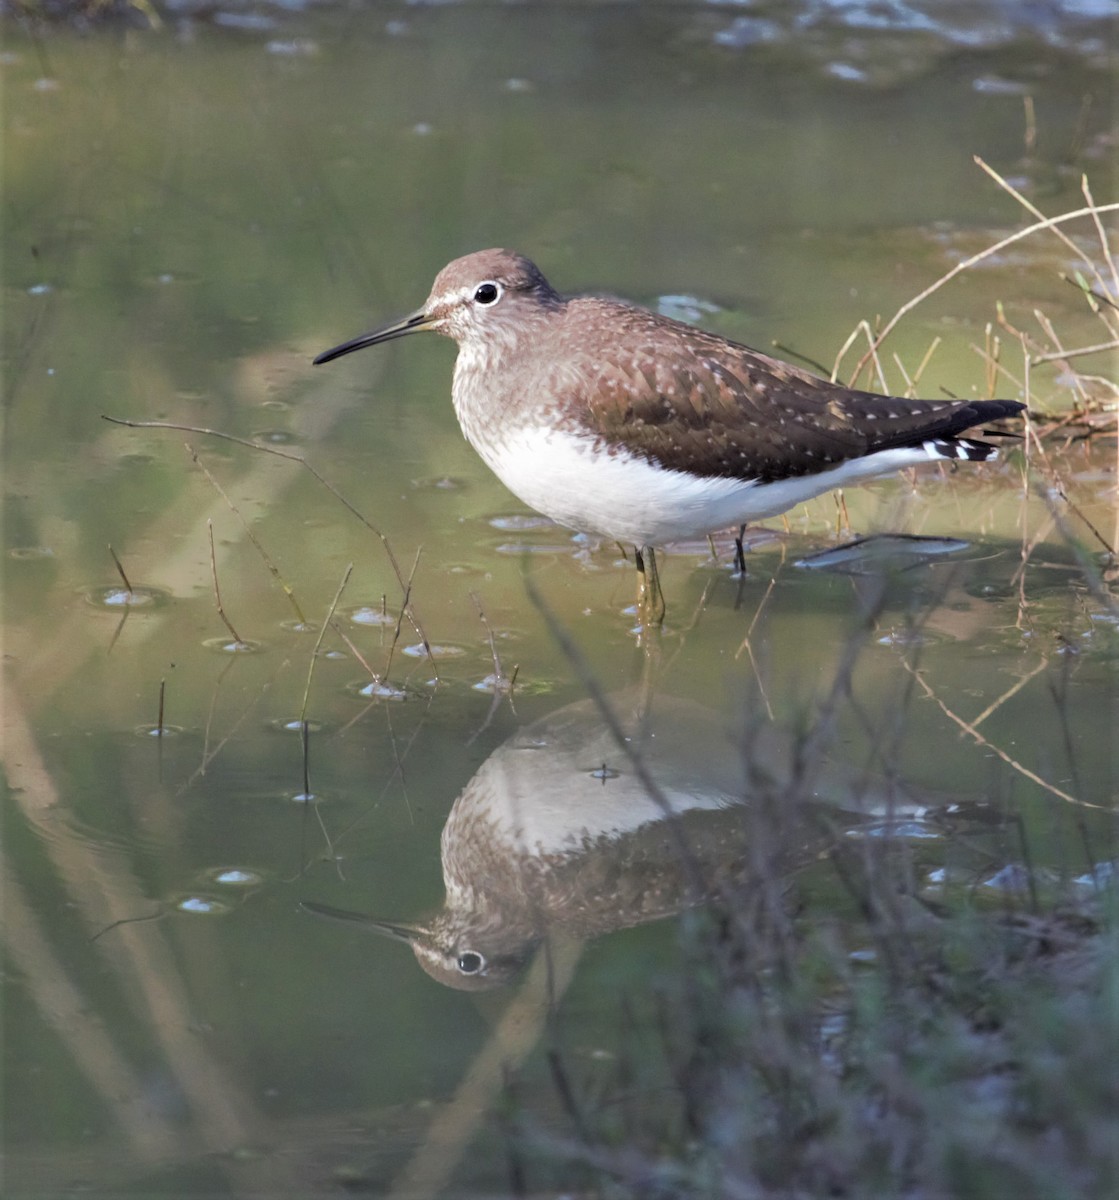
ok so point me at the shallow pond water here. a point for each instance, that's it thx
(192, 214)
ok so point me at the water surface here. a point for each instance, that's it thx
(189, 216)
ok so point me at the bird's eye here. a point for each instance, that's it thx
(486, 293)
(470, 963)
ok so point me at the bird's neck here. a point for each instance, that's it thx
(493, 381)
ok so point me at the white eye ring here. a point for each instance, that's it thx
(470, 962)
(487, 293)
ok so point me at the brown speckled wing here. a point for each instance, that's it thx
(693, 402)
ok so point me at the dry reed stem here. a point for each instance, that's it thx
(209, 755)
(1035, 211)
(217, 590)
(1051, 334)
(120, 570)
(1079, 352)
(872, 354)
(303, 462)
(501, 685)
(909, 385)
(350, 645)
(284, 585)
(1109, 258)
(318, 641)
(1010, 692)
(303, 729)
(400, 619)
(1048, 223)
(398, 764)
(968, 728)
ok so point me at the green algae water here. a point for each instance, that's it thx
(190, 215)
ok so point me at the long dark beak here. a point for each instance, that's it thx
(411, 324)
(399, 933)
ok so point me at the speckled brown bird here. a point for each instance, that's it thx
(614, 420)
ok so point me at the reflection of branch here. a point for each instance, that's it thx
(750, 649)
(222, 1111)
(1013, 690)
(522, 1025)
(208, 754)
(318, 641)
(238, 640)
(69, 1014)
(982, 741)
(296, 458)
(285, 587)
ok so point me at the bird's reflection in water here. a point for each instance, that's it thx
(559, 831)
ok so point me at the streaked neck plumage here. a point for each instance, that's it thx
(496, 378)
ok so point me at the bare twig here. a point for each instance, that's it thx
(969, 729)
(1035, 211)
(217, 590)
(1105, 245)
(1051, 334)
(871, 354)
(208, 754)
(284, 586)
(1011, 691)
(318, 641)
(502, 686)
(1059, 355)
(296, 458)
(958, 269)
(400, 618)
(1082, 285)
(120, 571)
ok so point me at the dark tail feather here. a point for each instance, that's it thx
(966, 449)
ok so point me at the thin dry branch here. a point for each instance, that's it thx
(240, 641)
(1109, 258)
(296, 458)
(959, 268)
(318, 641)
(1035, 211)
(120, 570)
(1079, 352)
(284, 585)
(969, 728)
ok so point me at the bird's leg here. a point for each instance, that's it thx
(650, 598)
(739, 552)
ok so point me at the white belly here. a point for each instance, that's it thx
(626, 498)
